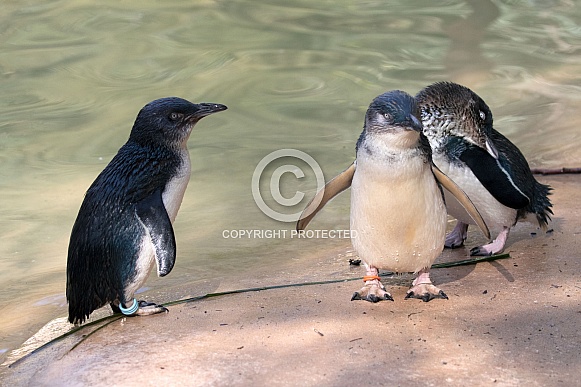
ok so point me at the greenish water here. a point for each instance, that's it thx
(294, 74)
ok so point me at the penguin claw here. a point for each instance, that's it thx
(373, 292)
(425, 292)
(480, 251)
(487, 250)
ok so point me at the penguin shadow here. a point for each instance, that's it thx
(524, 241)
(452, 274)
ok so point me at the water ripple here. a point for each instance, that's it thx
(296, 74)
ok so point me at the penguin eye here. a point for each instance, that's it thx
(482, 115)
(175, 116)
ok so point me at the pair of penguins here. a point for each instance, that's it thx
(409, 149)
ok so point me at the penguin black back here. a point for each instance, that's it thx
(516, 164)
(124, 210)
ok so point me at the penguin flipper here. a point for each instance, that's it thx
(462, 198)
(494, 177)
(153, 215)
(334, 187)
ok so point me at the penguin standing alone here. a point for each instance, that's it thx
(124, 224)
(398, 215)
(484, 163)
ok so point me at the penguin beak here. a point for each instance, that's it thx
(205, 109)
(491, 149)
(413, 122)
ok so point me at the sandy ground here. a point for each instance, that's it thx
(509, 322)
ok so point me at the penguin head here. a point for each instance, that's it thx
(394, 117)
(169, 121)
(450, 109)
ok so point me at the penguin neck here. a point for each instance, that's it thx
(175, 188)
(437, 128)
(390, 145)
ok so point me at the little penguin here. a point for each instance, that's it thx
(124, 224)
(485, 164)
(398, 216)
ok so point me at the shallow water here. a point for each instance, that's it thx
(295, 74)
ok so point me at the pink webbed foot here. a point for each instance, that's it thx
(373, 291)
(423, 289)
(494, 247)
(457, 236)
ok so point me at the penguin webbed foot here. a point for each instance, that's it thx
(373, 291)
(457, 236)
(423, 289)
(487, 250)
(494, 247)
(144, 309)
(149, 308)
(426, 292)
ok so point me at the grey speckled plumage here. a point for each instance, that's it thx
(483, 162)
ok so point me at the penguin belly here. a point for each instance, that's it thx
(398, 217)
(172, 197)
(143, 265)
(496, 215)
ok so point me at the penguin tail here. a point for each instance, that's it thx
(83, 299)
(75, 316)
(80, 308)
(541, 205)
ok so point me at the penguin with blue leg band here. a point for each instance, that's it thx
(484, 163)
(124, 226)
(398, 215)
(131, 310)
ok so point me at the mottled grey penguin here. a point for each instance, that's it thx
(398, 215)
(124, 224)
(484, 163)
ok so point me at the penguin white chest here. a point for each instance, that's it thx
(175, 189)
(495, 214)
(397, 213)
(172, 199)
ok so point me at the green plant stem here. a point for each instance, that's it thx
(471, 261)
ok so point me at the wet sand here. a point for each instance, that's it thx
(509, 322)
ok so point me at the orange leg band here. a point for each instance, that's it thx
(371, 278)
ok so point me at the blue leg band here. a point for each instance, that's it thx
(131, 310)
